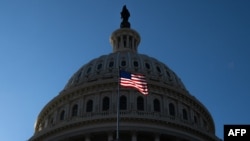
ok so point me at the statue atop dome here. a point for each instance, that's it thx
(125, 15)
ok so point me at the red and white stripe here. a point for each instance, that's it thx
(136, 81)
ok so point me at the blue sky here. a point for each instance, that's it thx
(43, 42)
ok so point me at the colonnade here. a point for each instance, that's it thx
(134, 136)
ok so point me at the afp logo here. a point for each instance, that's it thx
(236, 132)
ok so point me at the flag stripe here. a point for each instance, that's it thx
(137, 81)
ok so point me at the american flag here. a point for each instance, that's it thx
(137, 81)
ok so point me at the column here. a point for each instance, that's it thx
(165, 106)
(80, 108)
(127, 42)
(67, 112)
(177, 139)
(179, 110)
(87, 138)
(134, 136)
(157, 137)
(56, 116)
(110, 137)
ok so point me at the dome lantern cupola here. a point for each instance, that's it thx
(125, 38)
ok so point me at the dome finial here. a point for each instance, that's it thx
(125, 38)
(125, 15)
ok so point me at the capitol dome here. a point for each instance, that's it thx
(86, 108)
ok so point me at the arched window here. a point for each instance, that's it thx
(89, 69)
(111, 64)
(184, 113)
(158, 69)
(89, 107)
(99, 66)
(136, 63)
(195, 119)
(123, 103)
(123, 63)
(157, 107)
(79, 75)
(74, 110)
(147, 65)
(171, 109)
(140, 103)
(169, 76)
(62, 114)
(105, 104)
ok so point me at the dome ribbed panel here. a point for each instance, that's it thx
(107, 65)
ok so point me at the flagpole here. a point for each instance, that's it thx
(118, 107)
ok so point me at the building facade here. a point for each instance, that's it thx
(86, 109)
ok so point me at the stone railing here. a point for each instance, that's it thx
(156, 116)
(130, 114)
(134, 114)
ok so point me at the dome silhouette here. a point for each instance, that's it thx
(86, 108)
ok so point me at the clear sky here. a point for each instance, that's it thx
(43, 42)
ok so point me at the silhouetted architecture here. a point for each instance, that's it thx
(85, 110)
(125, 15)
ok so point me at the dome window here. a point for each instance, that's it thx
(171, 109)
(105, 104)
(62, 114)
(123, 63)
(147, 65)
(184, 114)
(74, 110)
(195, 119)
(169, 76)
(99, 66)
(51, 121)
(123, 103)
(158, 69)
(111, 64)
(136, 64)
(157, 107)
(89, 69)
(140, 103)
(89, 107)
(79, 75)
